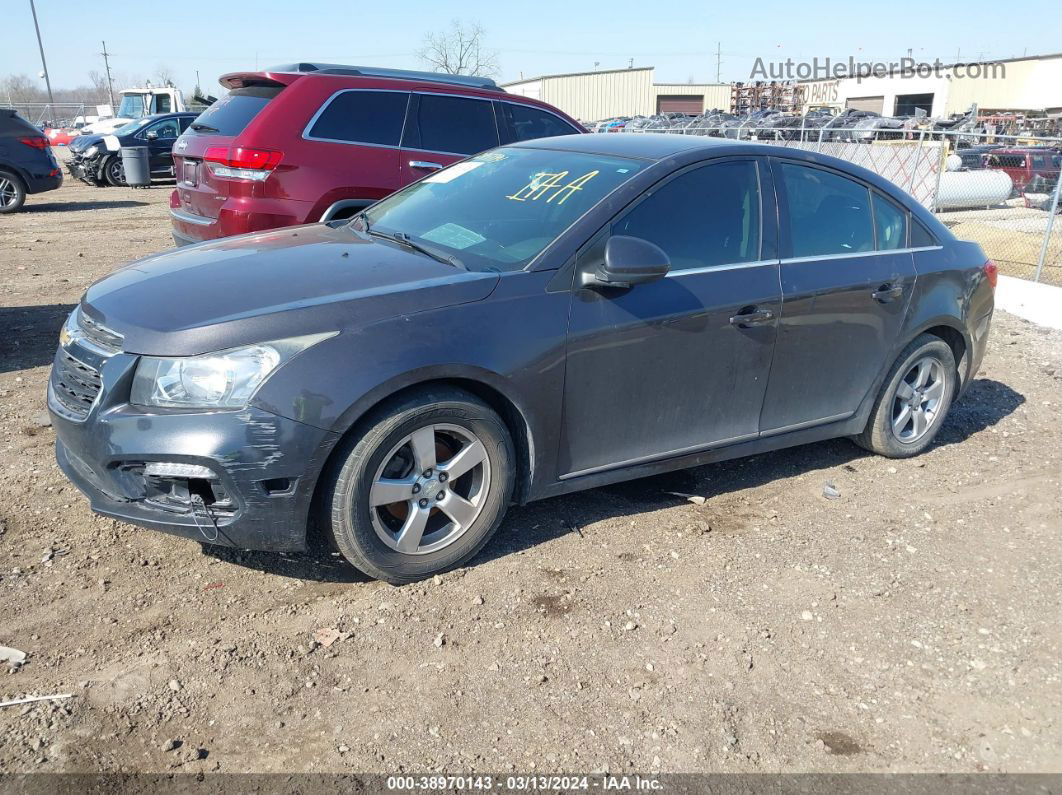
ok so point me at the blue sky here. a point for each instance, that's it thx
(532, 38)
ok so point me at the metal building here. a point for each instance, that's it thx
(620, 92)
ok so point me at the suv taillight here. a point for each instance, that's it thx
(36, 143)
(991, 273)
(241, 162)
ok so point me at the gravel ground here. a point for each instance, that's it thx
(911, 624)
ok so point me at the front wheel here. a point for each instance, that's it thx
(114, 172)
(913, 401)
(424, 487)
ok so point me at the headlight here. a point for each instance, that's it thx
(222, 380)
(91, 151)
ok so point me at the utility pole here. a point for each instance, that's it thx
(44, 63)
(718, 61)
(110, 83)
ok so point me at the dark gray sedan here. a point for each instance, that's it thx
(538, 319)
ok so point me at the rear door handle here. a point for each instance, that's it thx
(425, 164)
(750, 316)
(887, 292)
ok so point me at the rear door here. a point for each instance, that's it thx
(445, 128)
(847, 278)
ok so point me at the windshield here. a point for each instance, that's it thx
(133, 106)
(132, 126)
(497, 210)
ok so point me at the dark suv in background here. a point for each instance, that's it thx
(27, 164)
(314, 142)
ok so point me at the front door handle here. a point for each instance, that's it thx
(751, 316)
(887, 292)
(425, 164)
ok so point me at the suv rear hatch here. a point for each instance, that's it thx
(209, 165)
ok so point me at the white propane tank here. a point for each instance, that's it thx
(981, 188)
(953, 163)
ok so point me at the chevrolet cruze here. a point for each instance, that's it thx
(545, 317)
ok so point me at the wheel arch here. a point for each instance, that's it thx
(950, 330)
(488, 387)
(344, 208)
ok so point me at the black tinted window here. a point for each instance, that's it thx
(455, 124)
(920, 236)
(527, 123)
(234, 111)
(710, 216)
(368, 117)
(828, 213)
(891, 224)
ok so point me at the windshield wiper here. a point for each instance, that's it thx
(197, 126)
(404, 240)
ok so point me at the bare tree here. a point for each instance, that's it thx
(164, 75)
(459, 50)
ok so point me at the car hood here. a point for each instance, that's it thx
(83, 142)
(272, 285)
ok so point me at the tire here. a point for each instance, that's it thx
(391, 457)
(920, 384)
(114, 172)
(12, 192)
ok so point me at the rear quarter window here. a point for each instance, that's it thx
(526, 123)
(234, 111)
(368, 117)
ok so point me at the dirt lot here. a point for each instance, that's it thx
(912, 624)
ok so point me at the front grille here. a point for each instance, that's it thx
(99, 334)
(75, 384)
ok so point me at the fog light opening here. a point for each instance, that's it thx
(201, 488)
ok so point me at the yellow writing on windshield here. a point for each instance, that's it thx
(544, 181)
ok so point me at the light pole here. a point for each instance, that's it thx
(44, 63)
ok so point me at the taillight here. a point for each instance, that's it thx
(991, 273)
(242, 162)
(36, 143)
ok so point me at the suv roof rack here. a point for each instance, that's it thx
(398, 74)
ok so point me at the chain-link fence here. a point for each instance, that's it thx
(54, 114)
(999, 191)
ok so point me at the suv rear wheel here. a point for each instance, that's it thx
(424, 488)
(12, 192)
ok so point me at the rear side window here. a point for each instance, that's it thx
(828, 213)
(367, 117)
(234, 111)
(705, 217)
(456, 124)
(891, 224)
(526, 123)
(920, 236)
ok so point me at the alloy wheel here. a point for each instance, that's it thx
(917, 402)
(8, 192)
(429, 489)
(116, 171)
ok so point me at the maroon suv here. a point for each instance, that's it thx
(316, 142)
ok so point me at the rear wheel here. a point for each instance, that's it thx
(914, 400)
(114, 171)
(12, 192)
(424, 488)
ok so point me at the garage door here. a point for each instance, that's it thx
(876, 104)
(680, 104)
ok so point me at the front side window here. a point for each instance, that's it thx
(456, 125)
(527, 123)
(705, 217)
(891, 224)
(366, 117)
(496, 211)
(164, 129)
(828, 213)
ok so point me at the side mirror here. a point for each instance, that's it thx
(628, 261)
(152, 135)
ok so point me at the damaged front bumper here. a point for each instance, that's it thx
(85, 169)
(235, 478)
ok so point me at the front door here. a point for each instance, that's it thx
(680, 364)
(847, 279)
(160, 138)
(442, 129)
